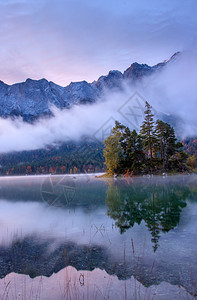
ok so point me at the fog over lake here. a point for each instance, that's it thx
(142, 228)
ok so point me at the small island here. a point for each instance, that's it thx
(154, 150)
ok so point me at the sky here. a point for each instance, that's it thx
(74, 40)
(67, 41)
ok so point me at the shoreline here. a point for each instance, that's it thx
(105, 175)
(97, 175)
(47, 175)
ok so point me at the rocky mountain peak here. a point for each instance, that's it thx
(33, 98)
(112, 80)
(136, 71)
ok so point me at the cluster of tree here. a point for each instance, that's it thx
(82, 157)
(190, 146)
(153, 150)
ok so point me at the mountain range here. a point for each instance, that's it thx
(33, 98)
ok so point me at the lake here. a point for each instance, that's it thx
(81, 237)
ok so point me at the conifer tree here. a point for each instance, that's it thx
(133, 150)
(166, 141)
(147, 131)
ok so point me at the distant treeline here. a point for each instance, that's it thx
(66, 158)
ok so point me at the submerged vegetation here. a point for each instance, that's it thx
(154, 149)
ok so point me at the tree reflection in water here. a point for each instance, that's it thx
(157, 203)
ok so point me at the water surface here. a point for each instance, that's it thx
(120, 234)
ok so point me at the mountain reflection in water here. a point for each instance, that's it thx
(144, 227)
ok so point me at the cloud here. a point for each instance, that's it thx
(72, 124)
(172, 91)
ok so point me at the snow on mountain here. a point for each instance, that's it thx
(33, 98)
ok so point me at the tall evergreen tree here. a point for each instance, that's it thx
(133, 150)
(166, 141)
(147, 131)
(160, 134)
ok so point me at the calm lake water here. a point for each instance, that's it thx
(80, 237)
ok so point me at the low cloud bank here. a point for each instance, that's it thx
(171, 91)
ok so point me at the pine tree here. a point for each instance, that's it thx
(147, 131)
(166, 141)
(160, 134)
(171, 145)
(133, 150)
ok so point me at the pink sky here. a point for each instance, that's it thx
(66, 41)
